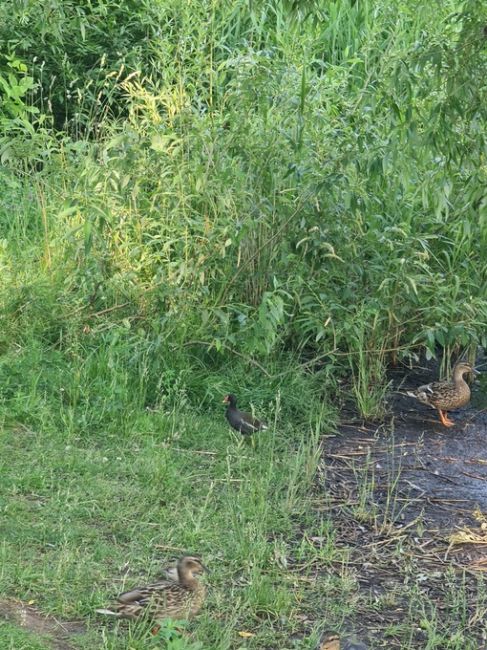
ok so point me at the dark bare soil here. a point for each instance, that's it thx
(404, 497)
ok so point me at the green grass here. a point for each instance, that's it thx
(88, 514)
(12, 638)
(93, 503)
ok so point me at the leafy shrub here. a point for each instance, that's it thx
(275, 180)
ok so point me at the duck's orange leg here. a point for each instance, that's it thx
(445, 420)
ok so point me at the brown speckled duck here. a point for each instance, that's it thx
(239, 420)
(446, 395)
(179, 599)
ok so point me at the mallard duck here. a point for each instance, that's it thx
(446, 395)
(240, 421)
(178, 599)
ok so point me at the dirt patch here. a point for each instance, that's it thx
(441, 473)
(397, 492)
(57, 633)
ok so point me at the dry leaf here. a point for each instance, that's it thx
(246, 635)
(479, 516)
(468, 536)
(30, 602)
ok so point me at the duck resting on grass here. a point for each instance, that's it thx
(446, 395)
(243, 422)
(178, 599)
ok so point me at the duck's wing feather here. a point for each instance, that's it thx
(163, 599)
(427, 392)
(140, 593)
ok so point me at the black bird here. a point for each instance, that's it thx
(240, 421)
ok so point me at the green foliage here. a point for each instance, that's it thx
(14, 89)
(22, 138)
(279, 178)
(170, 633)
(76, 49)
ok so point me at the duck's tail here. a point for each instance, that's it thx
(108, 612)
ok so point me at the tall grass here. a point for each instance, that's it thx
(304, 192)
(303, 163)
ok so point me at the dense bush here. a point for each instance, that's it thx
(259, 178)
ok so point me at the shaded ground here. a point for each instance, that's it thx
(403, 497)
